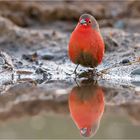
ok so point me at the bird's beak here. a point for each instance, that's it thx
(85, 132)
(83, 22)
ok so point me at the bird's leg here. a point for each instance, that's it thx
(78, 85)
(76, 69)
(74, 72)
(94, 72)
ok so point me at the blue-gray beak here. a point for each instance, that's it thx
(85, 132)
(82, 21)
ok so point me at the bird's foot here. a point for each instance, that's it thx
(73, 73)
(88, 74)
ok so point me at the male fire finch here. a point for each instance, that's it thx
(86, 46)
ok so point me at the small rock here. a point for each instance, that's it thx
(30, 57)
(5, 60)
(125, 61)
(47, 56)
(135, 72)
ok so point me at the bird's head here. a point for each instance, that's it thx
(87, 20)
(90, 131)
(85, 132)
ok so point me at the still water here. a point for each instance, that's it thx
(62, 126)
(85, 113)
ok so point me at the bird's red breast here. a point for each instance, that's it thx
(86, 46)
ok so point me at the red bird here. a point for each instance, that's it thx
(86, 104)
(86, 46)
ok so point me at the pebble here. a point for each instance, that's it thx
(125, 61)
(135, 72)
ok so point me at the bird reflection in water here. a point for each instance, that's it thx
(86, 104)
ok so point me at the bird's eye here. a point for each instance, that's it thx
(89, 21)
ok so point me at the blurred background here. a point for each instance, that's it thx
(29, 14)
